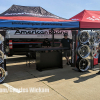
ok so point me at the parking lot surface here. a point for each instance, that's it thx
(63, 84)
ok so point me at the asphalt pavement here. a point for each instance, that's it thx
(26, 83)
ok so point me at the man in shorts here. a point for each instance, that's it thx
(66, 42)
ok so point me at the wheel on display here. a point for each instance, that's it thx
(94, 37)
(84, 51)
(1, 38)
(97, 53)
(1, 56)
(91, 43)
(83, 37)
(2, 74)
(97, 35)
(93, 50)
(83, 64)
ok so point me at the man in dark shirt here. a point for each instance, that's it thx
(46, 43)
(66, 42)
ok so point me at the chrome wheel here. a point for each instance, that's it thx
(83, 64)
(83, 37)
(84, 51)
(2, 74)
(1, 56)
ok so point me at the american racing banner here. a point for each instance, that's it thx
(58, 34)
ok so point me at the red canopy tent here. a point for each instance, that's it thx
(88, 19)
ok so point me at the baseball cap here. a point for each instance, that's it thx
(46, 39)
(66, 34)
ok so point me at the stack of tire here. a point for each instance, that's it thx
(2, 60)
(87, 44)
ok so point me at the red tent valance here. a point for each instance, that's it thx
(88, 19)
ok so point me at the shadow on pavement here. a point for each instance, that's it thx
(20, 72)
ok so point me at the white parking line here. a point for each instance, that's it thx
(10, 88)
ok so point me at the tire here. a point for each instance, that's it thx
(83, 37)
(1, 57)
(93, 50)
(83, 51)
(94, 37)
(2, 74)
(82, 64)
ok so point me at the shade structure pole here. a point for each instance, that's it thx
(52, 31)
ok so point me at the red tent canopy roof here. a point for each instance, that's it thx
(88, 19)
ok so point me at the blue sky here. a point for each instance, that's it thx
(62, 8)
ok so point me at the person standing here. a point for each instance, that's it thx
(66, 42)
